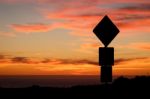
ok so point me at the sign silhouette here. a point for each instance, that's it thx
(106, 56)
(106, 74)
(106, 30)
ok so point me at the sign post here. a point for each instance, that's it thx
(106, 31)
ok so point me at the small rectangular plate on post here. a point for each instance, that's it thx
(106, 74)
(106, 56)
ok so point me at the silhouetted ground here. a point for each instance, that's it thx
(121, 88)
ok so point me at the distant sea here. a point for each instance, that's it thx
(48, 81)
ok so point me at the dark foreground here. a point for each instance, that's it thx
(121, 88)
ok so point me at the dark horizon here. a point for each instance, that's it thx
(119, 88)
(19, 81)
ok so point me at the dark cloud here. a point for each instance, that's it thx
(46, 60)
(69, 61)
(90, 62)
(53, 61)
(142, 7)
(2, 57)
(133, 17)
(132, 12)
(118, 61)
(20, 60)
(76, 62)
(50, 61)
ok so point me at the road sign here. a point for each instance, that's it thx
(106, 74)
(106, 56)
(106, 30)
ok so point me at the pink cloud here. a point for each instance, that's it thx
(17, 1)
(88, 45)
(7, 34)
(133, 16)
(81, 16)
(27, 28)
(88, 48)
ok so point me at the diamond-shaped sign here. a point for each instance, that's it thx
(106, 30)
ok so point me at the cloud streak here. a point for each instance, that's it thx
(141, 7)
(54, 61)
(7, 34)
(121, 60)
(20, 60)
(18, 1)
(138, 45)
(29, 28)
(129, 66)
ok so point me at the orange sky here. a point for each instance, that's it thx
(54, 37)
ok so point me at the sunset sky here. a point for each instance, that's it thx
(54, 37)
